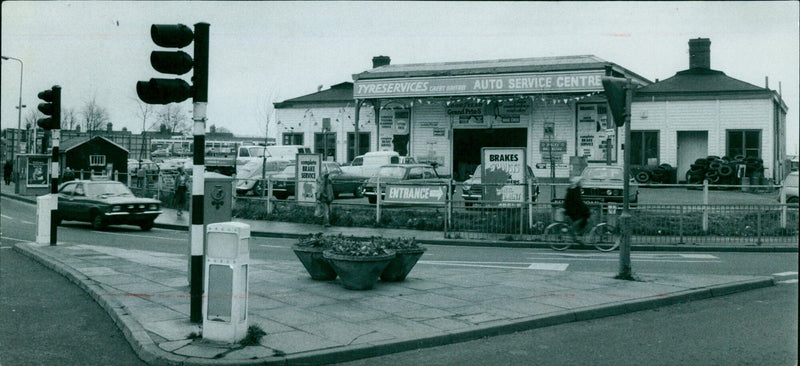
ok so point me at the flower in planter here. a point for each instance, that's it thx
(397, 243)
(314, 241)
(349, 246)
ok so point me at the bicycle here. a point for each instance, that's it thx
(561, 236)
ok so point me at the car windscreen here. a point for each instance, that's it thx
(392, 172)
(110, 188)
(602, 173)
(256, 151)
(277, 165)
(791, 181)
(289, 170)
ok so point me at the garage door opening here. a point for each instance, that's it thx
(467, 144)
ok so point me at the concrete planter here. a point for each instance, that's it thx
(401, 265)
(358, 272)
(314, 262)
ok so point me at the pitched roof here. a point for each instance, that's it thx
(73, 143)
(342, 92)
(700, 80)
(519, 65)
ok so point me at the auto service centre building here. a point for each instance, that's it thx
(447, 112)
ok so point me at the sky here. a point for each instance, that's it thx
(265, 52)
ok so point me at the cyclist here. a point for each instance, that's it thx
(575, 208)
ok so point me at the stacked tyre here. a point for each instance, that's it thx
(663, 173)
(722, 170)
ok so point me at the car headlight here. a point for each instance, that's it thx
(466, 188)
(583, 191)
(609, 192)
(152, 207)
(115, 208)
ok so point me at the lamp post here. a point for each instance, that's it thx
(19, 105)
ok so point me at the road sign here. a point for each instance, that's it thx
(428, 194)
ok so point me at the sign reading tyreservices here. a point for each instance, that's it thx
(503, 173)
(428, 194)
(308, 169)
(480, 84)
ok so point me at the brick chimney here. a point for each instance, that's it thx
(379, 61)
(700, 53)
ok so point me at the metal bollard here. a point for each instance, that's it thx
(226, 290)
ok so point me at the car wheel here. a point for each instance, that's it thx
(359, 192)
(793, 200)
(257, 188)
(146, 225)
(372, 200)
(281, 195)
(98, 223)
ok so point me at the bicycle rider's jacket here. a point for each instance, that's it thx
(574, 207)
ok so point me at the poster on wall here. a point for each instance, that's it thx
(592, 133)
(37, 171)
(401, 119)
(503, 174)
(307, 171)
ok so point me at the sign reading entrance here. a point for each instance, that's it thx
(503, 173)
(428, 194)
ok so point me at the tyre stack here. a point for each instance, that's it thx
(722, 171)
(663, 173)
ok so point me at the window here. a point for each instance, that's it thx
(97, 160)
(644, 146)
(292, 138)
(746, 143)
(363, 144)
(67, 189)
(325, 146)
(415, 173)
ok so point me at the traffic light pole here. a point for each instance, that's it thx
(625, 271)
(197, 234)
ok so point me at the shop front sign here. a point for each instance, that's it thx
(503, 174)
(522, 83)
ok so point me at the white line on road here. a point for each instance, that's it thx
(784, 274)
(27, 222)
(788, 281)
(10, 238)
(6, 217)
(540, 266)
(143, 236)
(271, 246)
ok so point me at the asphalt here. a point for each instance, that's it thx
(317, 322)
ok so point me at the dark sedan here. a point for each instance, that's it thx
(103, 203)
(283, 183)
(401, 174)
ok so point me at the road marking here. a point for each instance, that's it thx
(784, 274)
(271, 246)
(27, 222)
(143, 236)
(521, 265)
(10, 238)
(6, 217)
(788, 281)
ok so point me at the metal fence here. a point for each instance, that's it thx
(664, 224)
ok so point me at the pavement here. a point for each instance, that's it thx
(318, 322)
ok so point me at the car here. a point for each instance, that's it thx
(404, 174)
(249, 175)
(604, 184)
(284, 185)
(368, 164)
(789, 187)
(103, 203)
(472, 188)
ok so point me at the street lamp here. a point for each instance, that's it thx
(19, 105)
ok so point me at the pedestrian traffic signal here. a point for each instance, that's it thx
(616, 92)
(165, 91)
(51, 108)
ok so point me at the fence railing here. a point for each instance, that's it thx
(667, 224)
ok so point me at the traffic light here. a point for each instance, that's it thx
(51, 108)
(165, 91)
(616, 92)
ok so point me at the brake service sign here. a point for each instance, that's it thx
(503, 173)
(307, 172)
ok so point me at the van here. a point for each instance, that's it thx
(367, 165)
(286, 152)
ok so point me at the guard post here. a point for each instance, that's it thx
(226, 266)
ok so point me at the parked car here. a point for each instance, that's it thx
(401, 173)
(249, 175)
(604, 184)
(368, 164)
(103, 203)
(285, 182)
(472, 188)
(789, 186)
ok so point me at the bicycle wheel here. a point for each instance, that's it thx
(558, 236)
(605, 237)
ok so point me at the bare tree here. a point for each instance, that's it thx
(69, 118)
(144, 111)
(174, 119)
(264, 111)
(32, 116)
(95, 117)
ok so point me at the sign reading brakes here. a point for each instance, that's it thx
(431, 194)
